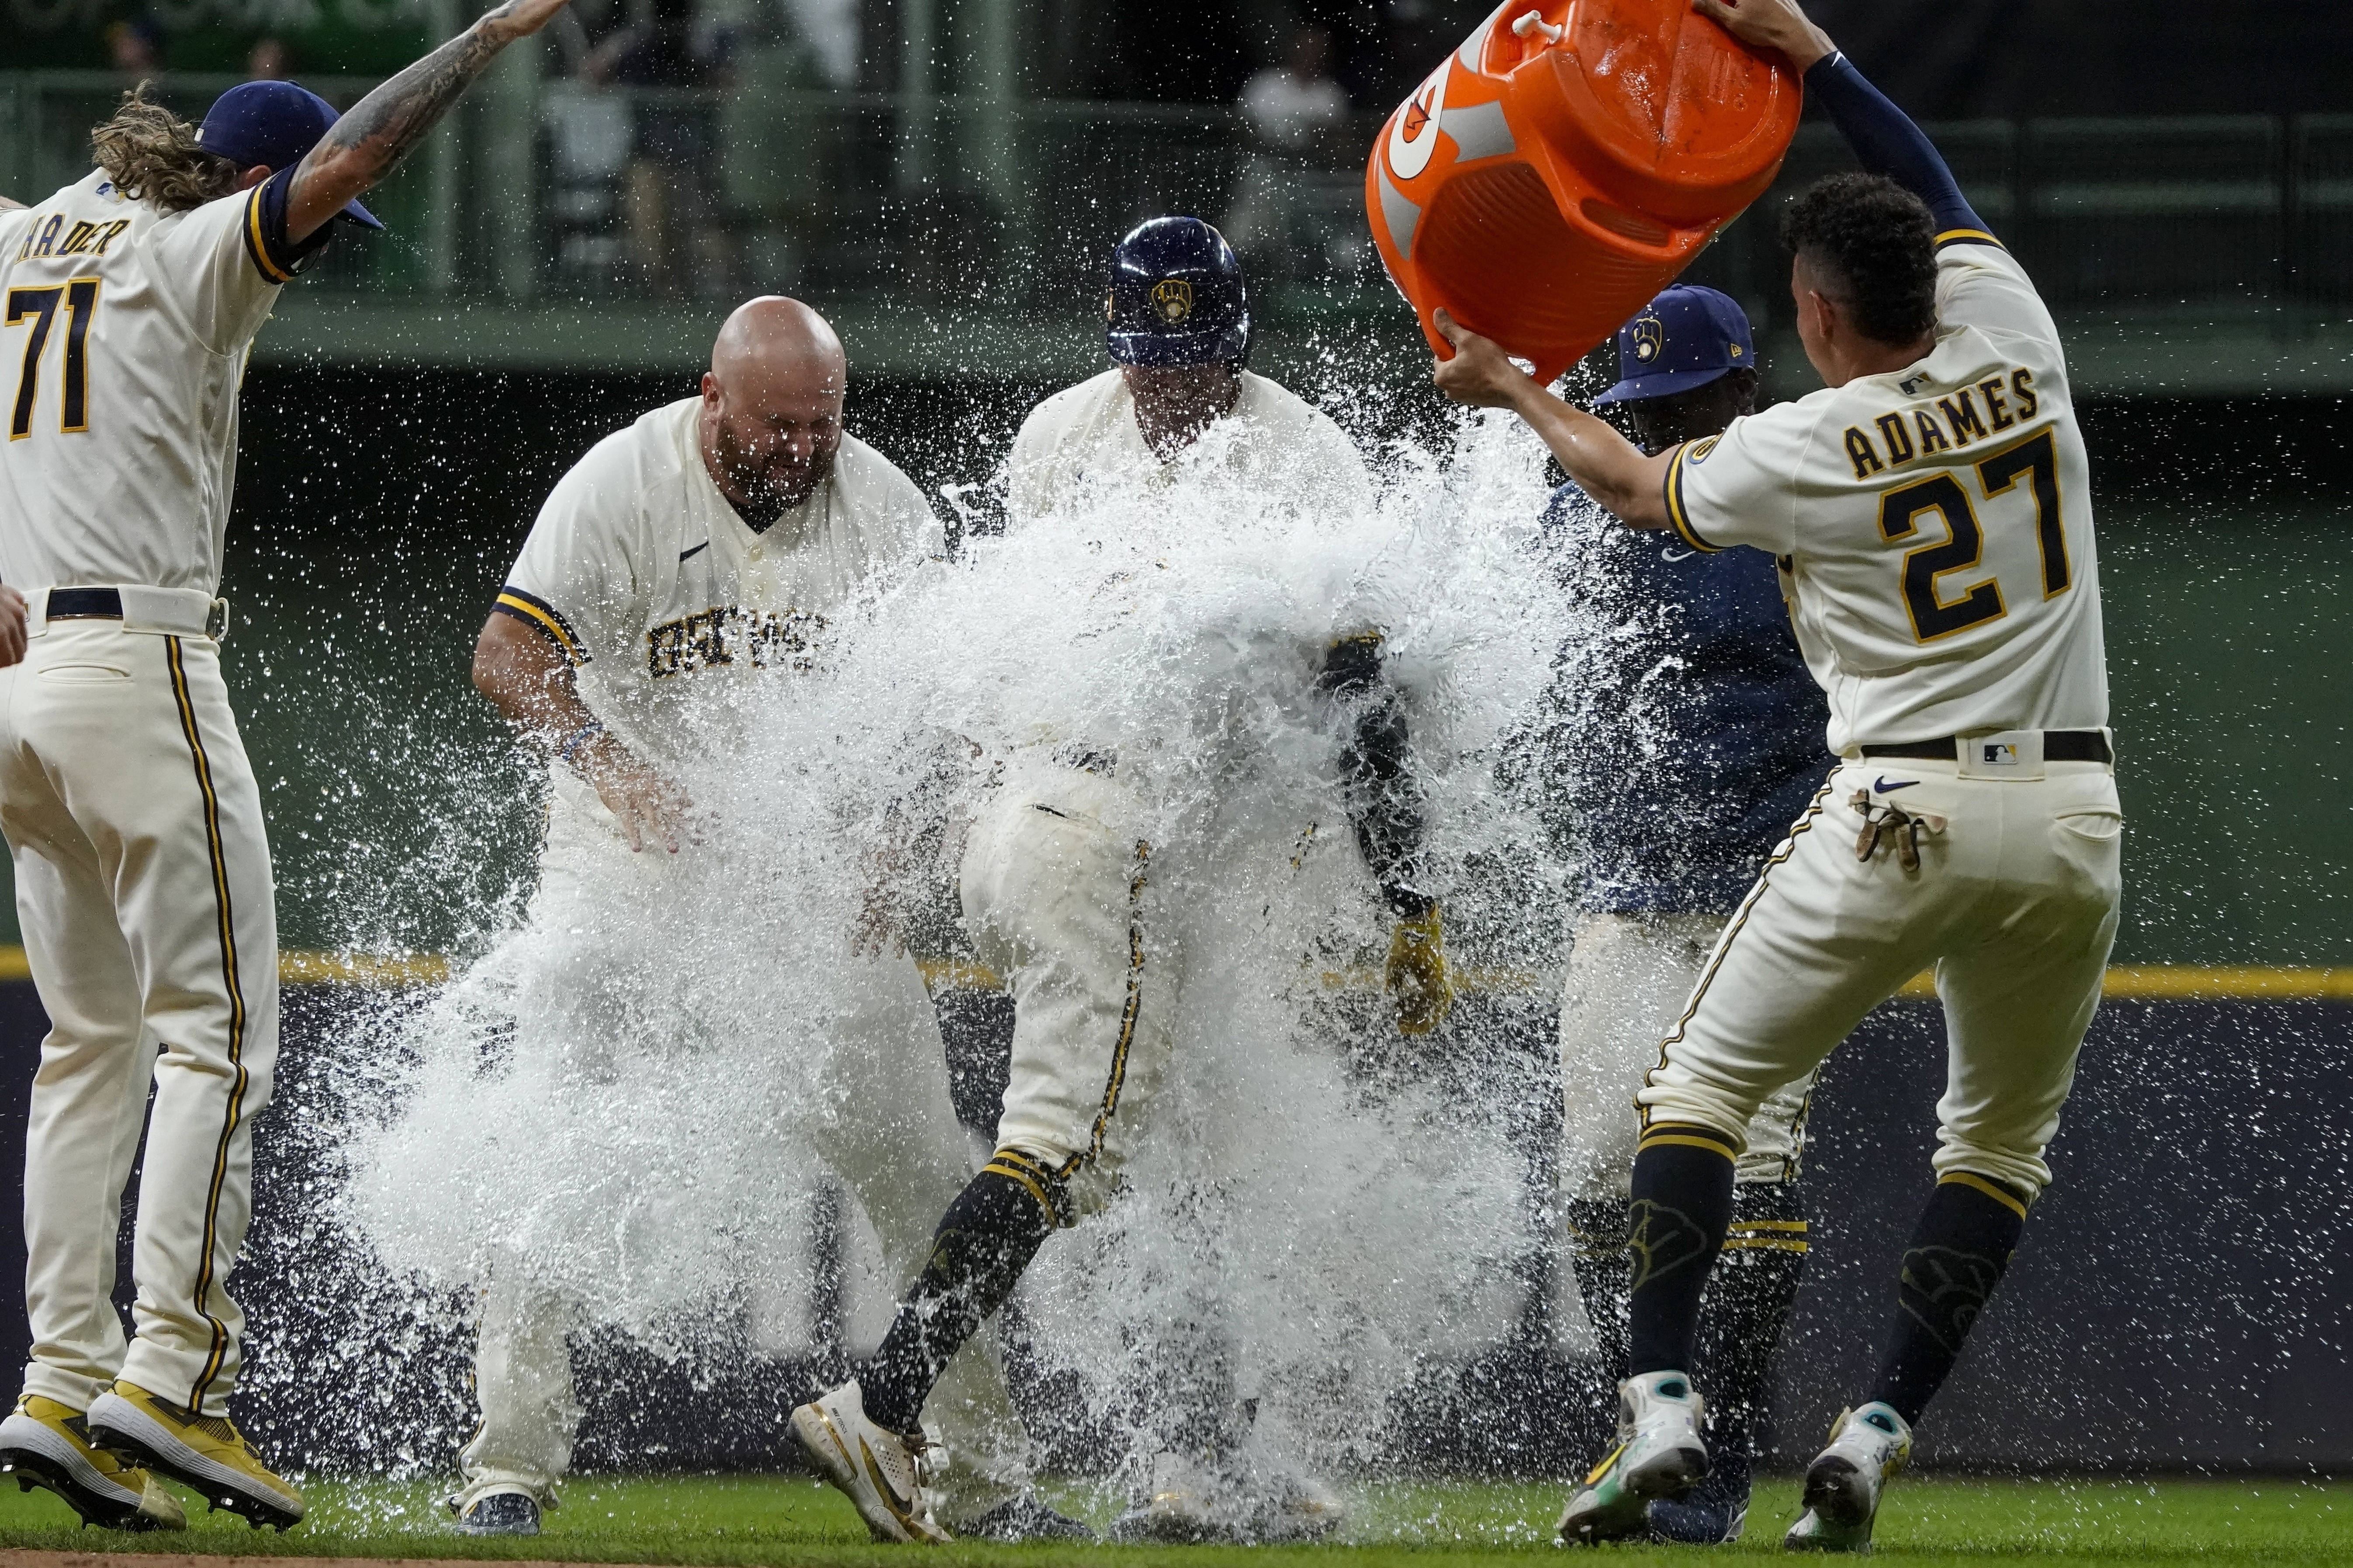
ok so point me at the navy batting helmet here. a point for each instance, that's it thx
(1177, 296)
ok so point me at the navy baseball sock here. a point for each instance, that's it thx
(1959, 1251)
(1682, 1202)
(1604, 1270)
(1740, 1320)
(985, 1241)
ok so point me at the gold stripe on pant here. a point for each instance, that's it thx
(144, 888)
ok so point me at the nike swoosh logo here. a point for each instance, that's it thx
(902, 1509)
(1674, 555)
(1884, 787)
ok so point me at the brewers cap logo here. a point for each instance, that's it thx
(1649, 338)
(1172, 297)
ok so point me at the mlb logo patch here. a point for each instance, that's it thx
(1998, 755)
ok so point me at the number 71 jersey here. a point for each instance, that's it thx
(123, 334)
(1934, 523)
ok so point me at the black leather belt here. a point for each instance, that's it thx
(2058, 746)
(85, 604)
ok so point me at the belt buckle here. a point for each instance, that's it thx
(217, 620)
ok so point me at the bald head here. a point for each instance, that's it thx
(772, 407)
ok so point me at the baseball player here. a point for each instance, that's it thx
(713, 539)
(1931, 509)
(1714, 746)
(1057, 890)
(142, 871)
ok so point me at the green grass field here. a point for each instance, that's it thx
(790, 1521)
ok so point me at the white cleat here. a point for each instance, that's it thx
(1184, 1504)
(1846, 1480)
(1659, 1454)
(1302, 1508)
(884, 1473)
(1194, 1500)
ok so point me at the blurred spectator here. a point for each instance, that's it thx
(266, 61)
(676, 240)
(1298, 116)
(1289, 103)
(135, 46)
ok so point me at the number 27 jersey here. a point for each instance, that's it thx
(1934, 523)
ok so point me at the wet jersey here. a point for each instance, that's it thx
(1281, 445)
(1934, 523)
(122, 343)
(650, 582)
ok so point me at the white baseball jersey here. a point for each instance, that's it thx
(134, 820)
(650, 582)
(1934, 523)
(122, 343)
(1082, 445)
(1087, 435)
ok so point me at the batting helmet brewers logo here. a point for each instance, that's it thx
(1649, 338)
(1172, 297)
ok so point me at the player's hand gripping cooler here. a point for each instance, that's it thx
(1566, 162)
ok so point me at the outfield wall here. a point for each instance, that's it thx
(2179, 1303)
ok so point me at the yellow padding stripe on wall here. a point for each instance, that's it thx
(2199, 981)
(374, 971)
(2125, 982)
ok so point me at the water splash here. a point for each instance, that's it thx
(625, 1105)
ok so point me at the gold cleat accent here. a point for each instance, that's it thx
(45, 1444)
(206, 1454)
(882, 1472)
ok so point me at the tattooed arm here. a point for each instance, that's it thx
(386, 126)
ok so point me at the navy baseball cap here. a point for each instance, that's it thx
(273, 124)
(1687, 337)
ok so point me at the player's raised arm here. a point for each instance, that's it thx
(1882, 135)
(1606, 465)
(366, 144)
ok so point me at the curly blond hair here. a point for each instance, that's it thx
(151, 155)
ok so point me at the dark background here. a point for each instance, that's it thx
(1940, 58)
(2181, 1301)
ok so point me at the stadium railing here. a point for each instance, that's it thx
(546, 191)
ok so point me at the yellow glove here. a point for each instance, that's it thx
(1415, 975)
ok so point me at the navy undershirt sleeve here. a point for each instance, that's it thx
(1887, 142)
(280, 257)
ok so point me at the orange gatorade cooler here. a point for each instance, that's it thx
(1566, 162)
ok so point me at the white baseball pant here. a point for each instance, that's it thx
(144, 891)
(2015, 903)
(1629, 977)
(1055, 883)
(899, 1149)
